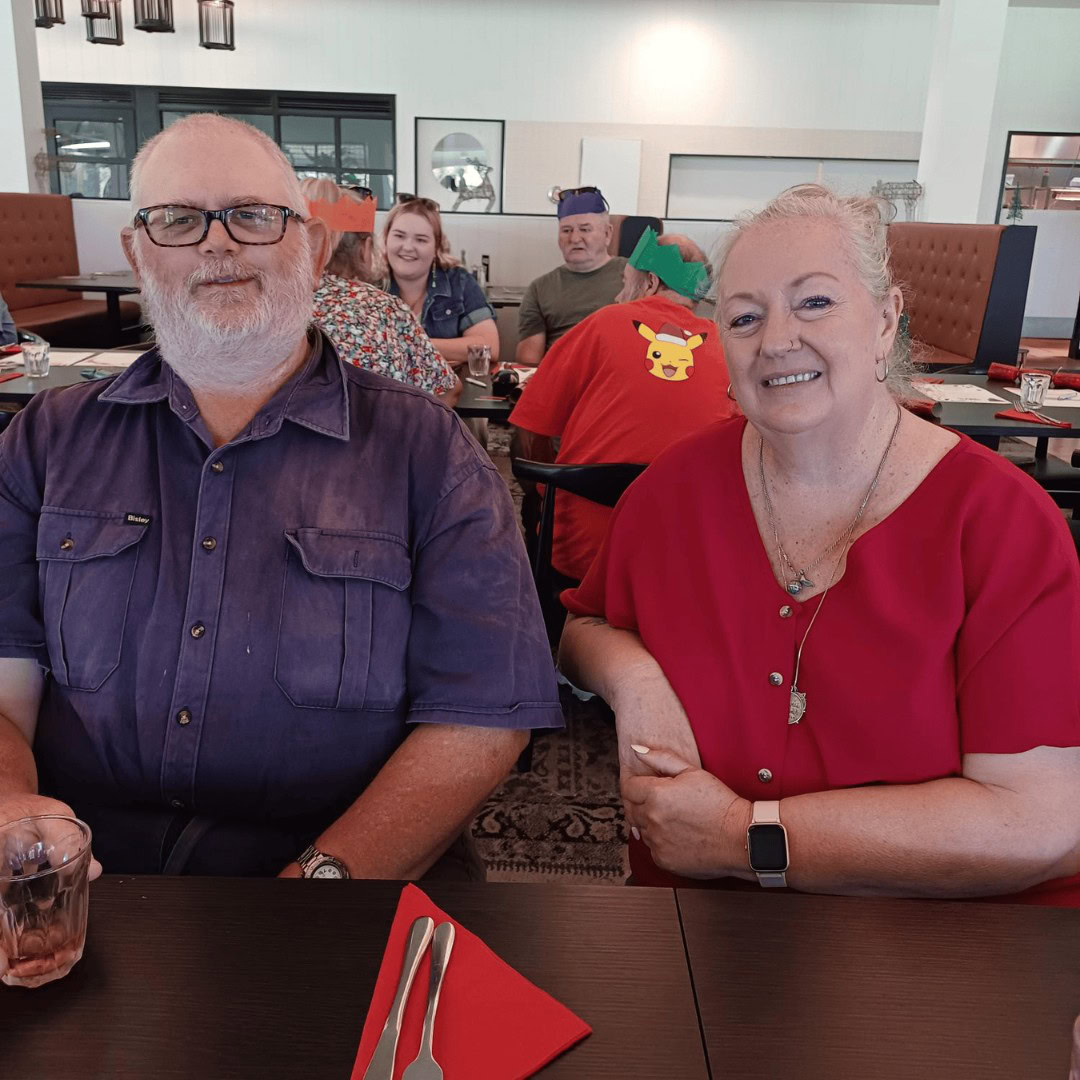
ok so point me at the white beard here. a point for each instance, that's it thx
(244, 352)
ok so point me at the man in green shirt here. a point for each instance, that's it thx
(589, 278)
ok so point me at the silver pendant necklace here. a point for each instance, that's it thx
(795, 582)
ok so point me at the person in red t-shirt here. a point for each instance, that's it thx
(840, 641)
(625, 383)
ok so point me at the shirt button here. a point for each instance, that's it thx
(764, 775)
(775, 678)
(786, 612)
(177, 804)
(209, 543)
(67, 544)
(217, 466)
(183, 717)
(198, 630)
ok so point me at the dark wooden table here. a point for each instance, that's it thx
(477, 400)
(825, 988)
(112, 284)
(207, 979)
(22, 389)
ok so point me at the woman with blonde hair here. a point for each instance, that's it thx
(369, 328)
(446, 298)
(814, 622)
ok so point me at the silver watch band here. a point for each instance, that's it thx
(767, 812)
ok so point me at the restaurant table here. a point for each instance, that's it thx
(978, 421)
(208, 978)
(21, 390)
(500, 296)
(476, 400)
(830, 988)
(113, 284)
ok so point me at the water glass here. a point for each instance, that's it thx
(36, 359)
(1033, 387)
(44, 863)
(479, 360)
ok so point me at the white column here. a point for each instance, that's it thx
(22, 118)
(959, 107)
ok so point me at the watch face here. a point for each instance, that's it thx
(768, 849)
(327, 870)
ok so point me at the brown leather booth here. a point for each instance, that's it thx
(37, 240)
(965, 289)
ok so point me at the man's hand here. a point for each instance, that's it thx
(13, 807)
(691, 821)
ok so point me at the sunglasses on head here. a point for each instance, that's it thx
(428, 204)
(363, 192)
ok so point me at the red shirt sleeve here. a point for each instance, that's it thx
(550, 395)
(1016, 653)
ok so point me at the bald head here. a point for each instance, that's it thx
(204, 155)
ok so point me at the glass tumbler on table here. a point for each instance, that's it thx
(1033, 387)
(44, 867)
(479, 360)
(36, 359)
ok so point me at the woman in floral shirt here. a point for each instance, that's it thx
(369, 327)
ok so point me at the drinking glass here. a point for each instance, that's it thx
(36, 359)
(44, 863)
(1033, 387)
(479, 360)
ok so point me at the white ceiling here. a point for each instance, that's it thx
(934, 3)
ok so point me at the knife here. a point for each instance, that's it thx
(381, 1066)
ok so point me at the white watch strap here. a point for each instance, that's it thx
(767, 812)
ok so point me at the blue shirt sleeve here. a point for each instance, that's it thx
(7, 324)
(477, 309)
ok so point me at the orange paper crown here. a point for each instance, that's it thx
(345, 215)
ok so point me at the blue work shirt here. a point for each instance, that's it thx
(453, 304)
(247, 632)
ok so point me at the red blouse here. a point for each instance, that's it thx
(954, 630)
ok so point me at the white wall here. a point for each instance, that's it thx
(22, 120)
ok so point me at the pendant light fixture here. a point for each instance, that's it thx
(107, 29)
(47, 13)
(216, 24)
(154, 16)
(95, 9)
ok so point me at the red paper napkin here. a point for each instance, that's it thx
(1029, 418)
(921, 406)
(927, 379)
(492, 1024)
(11, 375)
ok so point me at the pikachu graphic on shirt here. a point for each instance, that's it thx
(670, 352)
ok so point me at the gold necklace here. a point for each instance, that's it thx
(797, 700)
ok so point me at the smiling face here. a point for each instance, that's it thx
(410, 246)
(583, 241)
(801, 333)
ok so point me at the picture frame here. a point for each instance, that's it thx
(459, 163)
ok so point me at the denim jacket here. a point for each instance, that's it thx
(453, 304)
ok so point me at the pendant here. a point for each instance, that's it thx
(797, 706)
(796, 587)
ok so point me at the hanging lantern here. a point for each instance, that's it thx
(107, 29)
(95, 9)
(48, 13)
(154, 16)
(216, 24)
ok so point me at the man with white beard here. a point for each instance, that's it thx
(260, 611)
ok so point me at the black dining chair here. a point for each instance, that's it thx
(601, 483)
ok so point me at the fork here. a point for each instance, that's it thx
(425, 1067)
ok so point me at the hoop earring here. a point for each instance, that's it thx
(884, 378)
(729, 393)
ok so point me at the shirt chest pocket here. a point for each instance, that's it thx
(444, 316)
(86, 567)
(344, 623)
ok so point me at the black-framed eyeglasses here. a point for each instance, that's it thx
(402, 197)
(565, 193)
(363, 192)
(169, 225)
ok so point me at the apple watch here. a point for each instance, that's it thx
(316, 864)
(766, 843)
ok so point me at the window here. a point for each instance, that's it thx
(96, 129)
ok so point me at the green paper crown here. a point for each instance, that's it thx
(687, 279)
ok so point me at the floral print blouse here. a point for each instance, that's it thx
(374, 330)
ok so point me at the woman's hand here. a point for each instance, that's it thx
(693, 823)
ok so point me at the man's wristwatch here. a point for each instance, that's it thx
(316, 864)
(766, 842)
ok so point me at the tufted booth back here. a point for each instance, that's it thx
(37, 240)
(965, 287)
